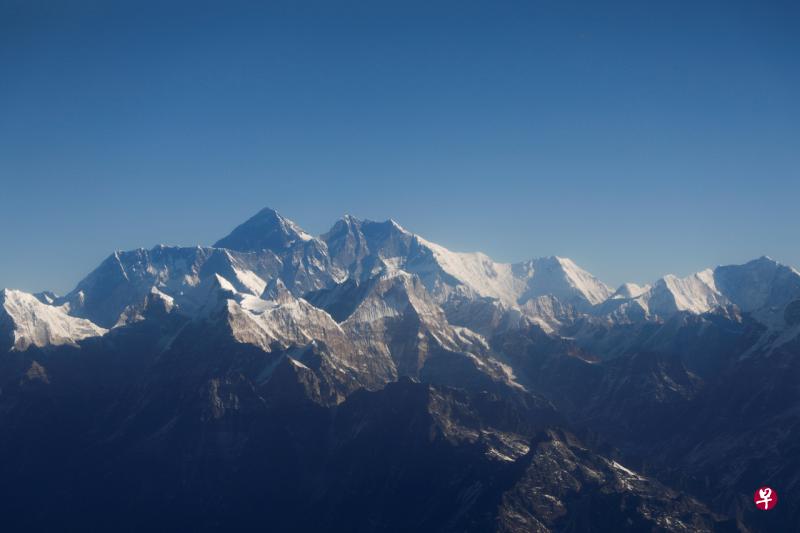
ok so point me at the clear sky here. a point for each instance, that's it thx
(637, 138)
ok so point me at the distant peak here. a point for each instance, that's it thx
(561, 277)
(267, 215)
(553, 261)
(390, 225)
(346, 225)
(349, 221)
(764, 261)
(630, 290)
(266, 230)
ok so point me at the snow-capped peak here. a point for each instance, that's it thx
(762, 287)
(271, 257)
(358, 245)
(562, 278)
(476, 271)
(589, 286)
(629, 290)
(266, 230)
(35, 323)
(696, 293)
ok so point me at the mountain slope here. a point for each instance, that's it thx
(27, 322)
(393, 384)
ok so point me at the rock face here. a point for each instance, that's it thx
(566, 487)
(370, 380)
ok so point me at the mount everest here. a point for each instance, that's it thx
(269, 255)
(525, 387)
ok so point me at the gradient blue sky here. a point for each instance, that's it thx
(638, 138)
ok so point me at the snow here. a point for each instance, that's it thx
(169, 301)
(589, 286)
(549, 291)
(250, 280)
(630, 290)
(767, 286)
(478, 272)
(761, 287)
(390, 296)
(38, 324)
(224, 284)
(509, 283)
(256, 305)
(286, 321)
(290, 227)
(696, 293)
(397, 226)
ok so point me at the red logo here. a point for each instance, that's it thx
(765, 498)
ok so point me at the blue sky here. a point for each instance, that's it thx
(638, 138)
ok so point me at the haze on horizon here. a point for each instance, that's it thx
(637, 139)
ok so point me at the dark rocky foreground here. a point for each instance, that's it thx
(97, 439)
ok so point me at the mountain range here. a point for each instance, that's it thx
(370, 380)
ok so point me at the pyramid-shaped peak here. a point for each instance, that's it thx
(266, 230)
(764, 260)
